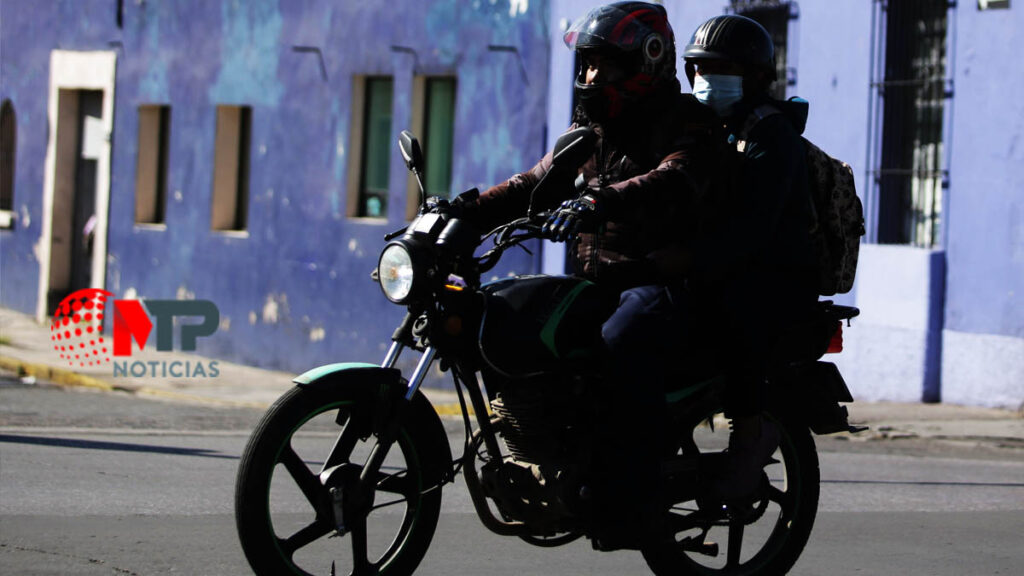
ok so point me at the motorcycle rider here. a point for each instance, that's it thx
(628, 234)
(761, 243)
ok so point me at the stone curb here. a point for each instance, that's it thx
(57, 375)
(70, 379)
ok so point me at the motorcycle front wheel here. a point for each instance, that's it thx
(287, 518)
(764, 534)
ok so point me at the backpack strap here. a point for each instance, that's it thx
(756, 115)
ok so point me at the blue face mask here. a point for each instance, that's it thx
(719, 91)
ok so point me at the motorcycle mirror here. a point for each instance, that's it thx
(413, 156)
(411, 152)
(573, 148)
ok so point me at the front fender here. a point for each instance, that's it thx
(350, 371)
(382, 391)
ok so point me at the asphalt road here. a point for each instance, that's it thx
(109, 484)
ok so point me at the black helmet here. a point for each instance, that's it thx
(735, 38)
(637, 33)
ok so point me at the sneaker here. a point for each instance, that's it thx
(738, 474)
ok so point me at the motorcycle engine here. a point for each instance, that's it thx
(548, 429)
(542, 420)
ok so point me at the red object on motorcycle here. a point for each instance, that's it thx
(835, 345)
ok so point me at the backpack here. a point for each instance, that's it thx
(837, 215)
(837, 220)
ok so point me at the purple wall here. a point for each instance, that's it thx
(295, 291)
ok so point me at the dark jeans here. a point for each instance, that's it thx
(641, 338)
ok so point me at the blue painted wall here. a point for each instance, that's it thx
(986, 204)
(295, 291)
(944, 322)
(983, 340)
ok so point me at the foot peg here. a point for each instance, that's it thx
(699, 546)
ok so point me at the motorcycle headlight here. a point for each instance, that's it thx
(396, 273)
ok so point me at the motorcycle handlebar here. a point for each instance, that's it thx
(391, 236)
(505, 237)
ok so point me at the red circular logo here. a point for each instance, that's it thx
(77, 328)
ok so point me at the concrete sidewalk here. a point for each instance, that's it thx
(26, 349)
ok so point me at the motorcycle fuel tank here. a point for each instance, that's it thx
(540, 323)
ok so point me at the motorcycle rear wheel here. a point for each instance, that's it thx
(284, 513)
(764, 535)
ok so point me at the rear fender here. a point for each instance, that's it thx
(811, 394)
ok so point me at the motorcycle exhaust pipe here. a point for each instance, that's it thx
(483, 510)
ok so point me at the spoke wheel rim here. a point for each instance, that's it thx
(297, 472)
(733, 555)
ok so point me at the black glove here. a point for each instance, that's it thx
(464, 205)
(570, 216)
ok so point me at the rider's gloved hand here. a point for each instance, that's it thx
(464, 205)
(437, 204)
(566, 221)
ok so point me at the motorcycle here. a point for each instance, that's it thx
(356, 451)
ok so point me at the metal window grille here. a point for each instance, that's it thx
(910, 87)
(775, 16)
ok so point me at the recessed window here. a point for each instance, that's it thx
(372, 103)
(993, 4)
(8, 146)
(434, 124)
(231, 168)
(151, 168)
(438, 135)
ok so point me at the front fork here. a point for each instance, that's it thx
(360, 497)
(421, 369)
(476, 491)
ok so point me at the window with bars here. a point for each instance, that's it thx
(910, 90)
(775, 16)
(993, 4)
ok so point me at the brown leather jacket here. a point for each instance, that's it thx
(649, 177)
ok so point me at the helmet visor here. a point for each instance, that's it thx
(612, 27)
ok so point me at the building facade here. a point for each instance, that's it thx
(246, 153)
(243, 152)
